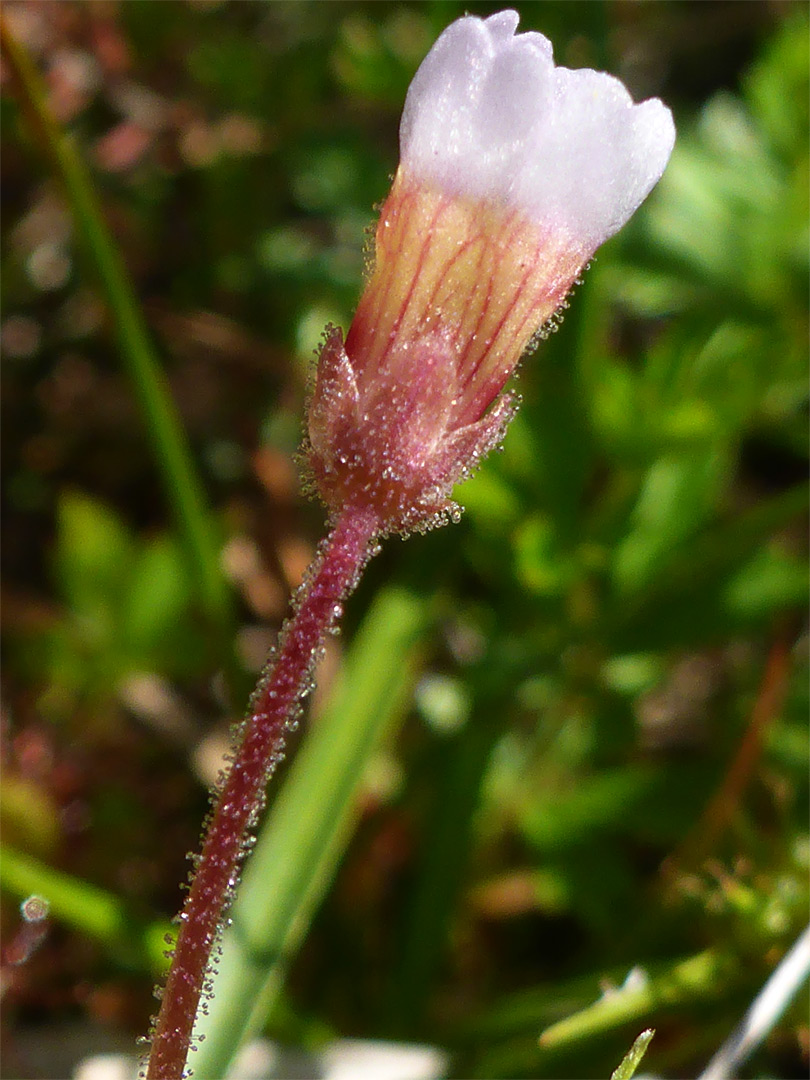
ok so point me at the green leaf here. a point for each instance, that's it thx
(93, 554)
(677, 497)
(778, 86)
(772, 581)
(561, 818)
(158, 597)
(540, 565)
(694, 597)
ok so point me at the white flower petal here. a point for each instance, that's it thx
(488, 116)
(438, 126)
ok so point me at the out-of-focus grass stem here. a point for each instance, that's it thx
(183, 485)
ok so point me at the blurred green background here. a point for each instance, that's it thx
(561, 742)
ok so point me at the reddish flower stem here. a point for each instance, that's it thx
(286, 680)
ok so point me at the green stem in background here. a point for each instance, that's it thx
(93, 911)
(273, 708)
(308, 828)
(503, 1041)
(183, 485)
(700, 977)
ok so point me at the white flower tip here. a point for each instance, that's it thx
(488, 116)
(502, 23)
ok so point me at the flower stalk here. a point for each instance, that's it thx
(274, 706)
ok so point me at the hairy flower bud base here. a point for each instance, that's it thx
(389, 449)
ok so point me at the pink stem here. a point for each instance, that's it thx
(276, 701)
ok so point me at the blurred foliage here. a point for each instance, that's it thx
(593, 818)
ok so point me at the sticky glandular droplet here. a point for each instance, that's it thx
(34, 909)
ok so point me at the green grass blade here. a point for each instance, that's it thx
(308, 827)
(182, 483)
(632, 1059)
(462, 765)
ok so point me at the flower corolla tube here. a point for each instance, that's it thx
(512, 172)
